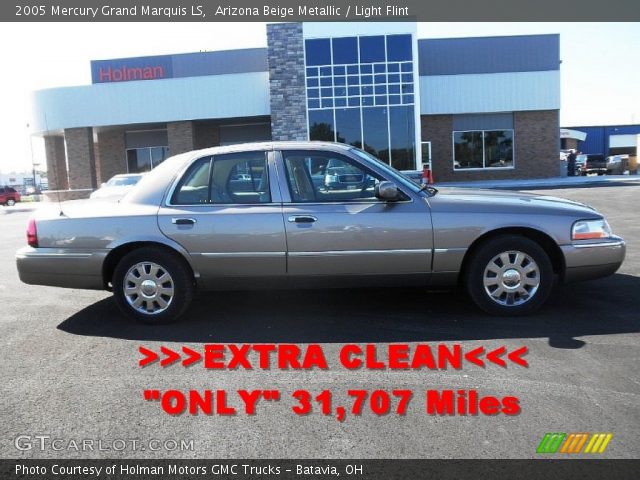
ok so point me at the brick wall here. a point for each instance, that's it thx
(181, 137)
(536, 148)
(111, 157)
(56, 162)
(286, 81)
(80, 158)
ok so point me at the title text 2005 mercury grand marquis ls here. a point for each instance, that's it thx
(312, 214)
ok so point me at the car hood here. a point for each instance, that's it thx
(506, 201)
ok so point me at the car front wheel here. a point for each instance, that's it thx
(509, 275)
(152, 285)
(11, 202)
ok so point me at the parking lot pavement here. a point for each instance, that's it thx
(69, 365)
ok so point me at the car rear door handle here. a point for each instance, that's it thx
(183, 221)
(302, 219)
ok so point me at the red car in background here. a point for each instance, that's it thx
(9, 196)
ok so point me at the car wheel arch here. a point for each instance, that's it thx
(117, 253)
(545, 241)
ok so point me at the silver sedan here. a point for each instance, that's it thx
(309, 214)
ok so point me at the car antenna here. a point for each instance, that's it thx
(55, 173)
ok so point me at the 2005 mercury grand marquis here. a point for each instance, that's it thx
(311, 214)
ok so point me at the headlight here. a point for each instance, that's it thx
(590, 230)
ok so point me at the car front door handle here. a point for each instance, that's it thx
(302, 219)
(183, 221)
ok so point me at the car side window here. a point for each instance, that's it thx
(240, 178)
(193, 188)
(328, 177)
(225, 179)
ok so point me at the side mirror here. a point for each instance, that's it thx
(387, 191)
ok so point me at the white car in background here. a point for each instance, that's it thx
(116, 187)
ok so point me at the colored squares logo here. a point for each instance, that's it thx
(574, 443)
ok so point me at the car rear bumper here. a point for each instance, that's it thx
(593, 260)
(57, 267)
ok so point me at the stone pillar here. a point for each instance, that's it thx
(287, 81)
(181, 137)
(56, 162)
(111, 154)
(80, 158)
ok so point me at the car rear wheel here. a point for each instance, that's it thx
(11, 202)
(152, 285)
(509, 275)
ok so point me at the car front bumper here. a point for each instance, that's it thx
(589, 261)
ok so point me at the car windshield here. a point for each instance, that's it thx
(401, 177)
(123, 181)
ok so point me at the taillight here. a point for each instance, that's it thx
(32, 233)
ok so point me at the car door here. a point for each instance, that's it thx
(335, 225)
(226, 212)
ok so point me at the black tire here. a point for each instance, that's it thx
(516, 286)
(180, 281)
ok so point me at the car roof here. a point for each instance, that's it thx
(273, 145)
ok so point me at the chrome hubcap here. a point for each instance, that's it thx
(148, 288)
(511, 278)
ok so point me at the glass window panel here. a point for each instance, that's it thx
(321, 125)
(381, 89)
(399, 47)
(394, 78)
(348, 126)
(381, 79)
(367, 79)
(467, 152)
(354, 102)
(193, 188)
(498, 148)
(351, 69)
(353, 91)
(407, 77)
(407, 88)
(339, 80)
(240, 178)
(393, 67)
(341, 102)
(313, 93)
(345, 50)
(138, 160)
(367, 90)
(339, 70)
(325, 71)
(367, 101)
(327, 103)
(366, 68)
(407, 67)
(395, 99)
(326, 81)
(158, 155)
(326, 92)
(312, 82)
(313, 103)
(406, 99)
(394, 88)
(340, 91)
(318, 51)
(375, 132)
(353, 80)
(402, 127)
(379, 68)
(312, 72)
(381, 99)
(372, 49)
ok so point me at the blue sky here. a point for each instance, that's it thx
(600, 64)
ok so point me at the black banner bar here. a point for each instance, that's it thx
(319, 469)
(317, 10)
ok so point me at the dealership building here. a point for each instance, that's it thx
(470, 108)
